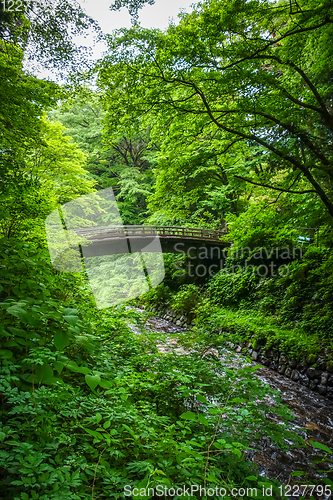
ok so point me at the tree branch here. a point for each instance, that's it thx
(275, 188)
(324, 111)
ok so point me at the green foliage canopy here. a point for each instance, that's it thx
(123, 160)
(252, 73)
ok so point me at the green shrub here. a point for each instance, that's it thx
(89, 404)
(304, 297)
(160, 295)
(187, 299)
(232, 288)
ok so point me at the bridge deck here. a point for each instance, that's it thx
(103, 233)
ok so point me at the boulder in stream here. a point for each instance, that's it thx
(295, 375)
(324, 378)
(322, 389)
(313, 383)
(282, 369)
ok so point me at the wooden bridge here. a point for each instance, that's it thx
(106, 240)
(111, 232)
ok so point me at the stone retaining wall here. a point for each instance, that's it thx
(316, 373)
(180, 319)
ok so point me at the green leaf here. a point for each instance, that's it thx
(127, 427)
(71, 365)
(93, 381)
(59, 366)
(251, 478)
(105, 384)
(201, 398)
(98, 417)
(72, 320)
(188, 415)
(43, 374)
(70, 312)
(61, 340)
(212, 479)
(143, 484)
(321, 446)
(214, 411)
(239, 445)
(299, 473)
(95, 434)
(22, 315)
(17, 331)
(5, 353)
(194, 443)
(84, 341)
(203, 420)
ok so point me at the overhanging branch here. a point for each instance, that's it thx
(275, 188)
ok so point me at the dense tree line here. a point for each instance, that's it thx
(239, 94)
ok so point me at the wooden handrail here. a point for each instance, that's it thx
(105, 232)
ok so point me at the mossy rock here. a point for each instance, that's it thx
(329, 366)
(312, 358)
(254, 343)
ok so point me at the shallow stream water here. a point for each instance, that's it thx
(313, 420)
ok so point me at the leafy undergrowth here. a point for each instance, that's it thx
(89, 405)
(249, 325)
(291, 312)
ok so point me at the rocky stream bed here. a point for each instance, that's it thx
(313, 419)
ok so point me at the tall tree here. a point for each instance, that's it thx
(36, 177)
(122, 160)
(82, 117)
(133, 7)
(254, 71)
(22, 99)
(45, 31)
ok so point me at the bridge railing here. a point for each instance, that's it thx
(106, 232)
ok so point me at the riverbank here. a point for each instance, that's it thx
(312, 416)
(313, 370)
